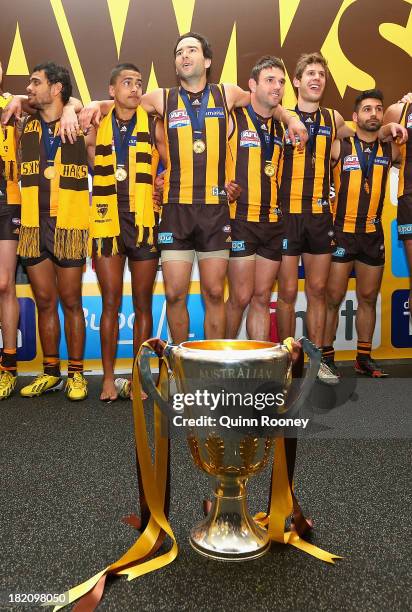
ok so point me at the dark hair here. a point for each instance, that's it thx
(375, 94)
(267, 61)
(310, 58)
(119, 68)
(57, 74)
(206, 48)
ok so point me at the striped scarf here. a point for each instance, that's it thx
(104, 215)
(69, 189)
(8, 155)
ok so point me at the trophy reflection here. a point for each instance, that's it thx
(230, 454)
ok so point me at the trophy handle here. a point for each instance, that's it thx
(162, 350)
(299, 397)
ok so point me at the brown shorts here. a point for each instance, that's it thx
(47, 230)
(405, 218)
(257, 238)
(199, 227)
(307, 232)
(367, 248)
(126, 242)
(9, 221)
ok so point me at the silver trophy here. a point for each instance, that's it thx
(228, 440)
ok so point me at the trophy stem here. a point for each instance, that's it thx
(229, 532)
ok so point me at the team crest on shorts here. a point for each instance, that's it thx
(339, 252)
(226, 229)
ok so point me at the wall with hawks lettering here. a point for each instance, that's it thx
(367, 42)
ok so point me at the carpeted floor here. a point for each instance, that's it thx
(68, 477)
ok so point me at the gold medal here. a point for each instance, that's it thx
(49, 172)
(366, 186)
(120, 174)
(269, 169)
(199, 146)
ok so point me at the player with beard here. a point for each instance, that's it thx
(54, 229)
(306, 208)
(255, 153)
(361, 168)
(195, 213)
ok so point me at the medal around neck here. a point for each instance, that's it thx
(49, 172)
(199, 146)
(269, 169)
(121, 174)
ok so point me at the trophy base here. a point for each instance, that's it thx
(230, 556)
(229, 533)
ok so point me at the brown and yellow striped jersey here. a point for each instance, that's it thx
(9, 189)
(305, 178)
(258, 200)
(405, 172)
(195, 177)
(358, 207)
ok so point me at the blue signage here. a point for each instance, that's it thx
(401, 319)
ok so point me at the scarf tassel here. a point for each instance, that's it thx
(29, 242)
(70, 243)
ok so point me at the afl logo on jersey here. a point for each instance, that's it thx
(249, 138)
(350, 162)
(409, 121)
(178, 118)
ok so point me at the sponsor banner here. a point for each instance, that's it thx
(92, 307)
(401, 329)
(399, 263)
(346, 337)
(26, 331)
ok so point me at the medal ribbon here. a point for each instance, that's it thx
(50, 144)
(268, 144)
(196, 119)
(366, 165)
(122, 146)
(313, 131)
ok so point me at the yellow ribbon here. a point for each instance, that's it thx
(154, 479)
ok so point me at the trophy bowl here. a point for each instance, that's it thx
(226, 434)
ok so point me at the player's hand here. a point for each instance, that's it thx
(294, 348)
(397, 134)
(298, 133)
(233, 191)
(158, 188)
(90, 115)
(14, 107)
(406, 99)
(69, 124)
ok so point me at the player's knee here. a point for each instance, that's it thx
(334, 299)
(6, 284)
(213, 294)
(369, 298)
(261, 299)
(46, 302)
(111, 303)
(286, 302)
(72, 303)
(316, 290)
(239, 299)
(175, 297)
